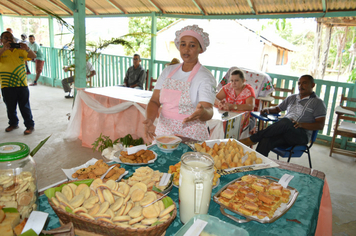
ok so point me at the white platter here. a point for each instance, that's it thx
(70, 172)
(266, 162)
(117, 159)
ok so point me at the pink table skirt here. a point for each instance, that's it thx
(324, 226)
(115, 125)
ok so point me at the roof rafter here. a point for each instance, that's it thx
(91, 9)
(60, 7)
(16, 4)
(252, 6)
(199, 6)
(11, 9)
(153, 3)
(117, 6)
(35, 5)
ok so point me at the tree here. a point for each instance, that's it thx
(141, 43)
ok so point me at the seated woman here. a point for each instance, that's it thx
(236, 95)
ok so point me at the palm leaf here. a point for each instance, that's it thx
(38, 147)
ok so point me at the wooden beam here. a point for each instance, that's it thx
(153, 3)
(23, 8)
(35, 5)
(60, 7)
(117, 6)
(201, 9)
(339, 21)
(69, 4)
(91, 9)
(252, 6)
(11, 9)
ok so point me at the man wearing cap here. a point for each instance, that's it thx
(40, 58)
(136, 74)
(186, 92)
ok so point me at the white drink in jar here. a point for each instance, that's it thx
(187, 188)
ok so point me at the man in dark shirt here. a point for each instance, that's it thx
(135, 75)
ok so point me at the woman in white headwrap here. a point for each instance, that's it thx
(185, 91)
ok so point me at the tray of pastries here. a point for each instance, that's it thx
(112, 208)
(258, 198)
(93, 169)
(231, 156)
(151, 178)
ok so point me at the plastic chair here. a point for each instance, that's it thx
(297, 150)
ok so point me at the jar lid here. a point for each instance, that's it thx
(12, 151)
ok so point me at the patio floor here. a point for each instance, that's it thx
(49, 108)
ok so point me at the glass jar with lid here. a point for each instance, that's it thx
(18, 180)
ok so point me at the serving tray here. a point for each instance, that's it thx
(266, 162)
(281, 210)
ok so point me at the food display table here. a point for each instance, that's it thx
(311, 213)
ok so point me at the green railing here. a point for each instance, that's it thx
(111, 71)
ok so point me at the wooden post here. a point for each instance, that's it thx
(317, 47)
(326, 50)
(53, 58)
(152, 67)
(1, 24)
(80, 44)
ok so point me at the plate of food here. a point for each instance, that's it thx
(151, 178)
(258, 198)
(231, 156)
(93, 169)
(142, 157)
(175, 170)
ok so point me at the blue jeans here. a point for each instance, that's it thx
(18, 95)
(279, 134)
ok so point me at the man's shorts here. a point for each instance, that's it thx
(39, 66)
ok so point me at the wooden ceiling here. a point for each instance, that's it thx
(213, 9)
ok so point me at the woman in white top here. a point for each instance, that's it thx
(185, 91)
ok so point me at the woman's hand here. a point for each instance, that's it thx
(203, 112)
(149, 129)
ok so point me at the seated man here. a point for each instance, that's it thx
(135, 75)
(66, 81)
(305, 112)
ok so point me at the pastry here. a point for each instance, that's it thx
(227, 194)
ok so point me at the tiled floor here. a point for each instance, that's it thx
(49, 109)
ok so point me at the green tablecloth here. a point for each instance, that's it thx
(305, 209)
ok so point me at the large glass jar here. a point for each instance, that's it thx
(18, 180)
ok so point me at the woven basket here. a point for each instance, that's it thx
(102, 228)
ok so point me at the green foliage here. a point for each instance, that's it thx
(141, 43)
(128, 141)
(352, 77)
(103, 142)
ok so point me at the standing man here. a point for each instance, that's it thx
(305, 112)
(66, 81)
(136, 74)
(14, 82)
(40, 59)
